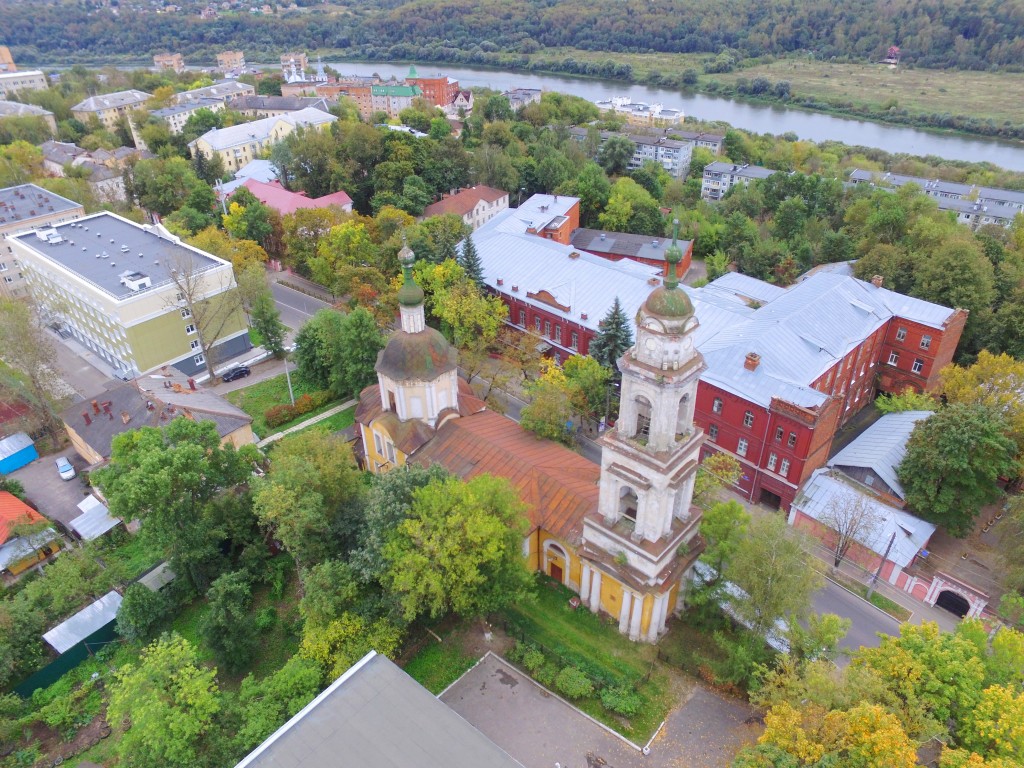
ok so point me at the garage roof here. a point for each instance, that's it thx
(70, 633)
(95, 519)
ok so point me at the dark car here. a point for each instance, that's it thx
(238, 372)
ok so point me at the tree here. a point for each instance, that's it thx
(853, 518)
(247, 218)
(907, 400)
(316, 346)
(995, 381)
(211, 297)
(469, 260)
(140, 611)
(718, 470)
(995, 725)
(952, 463)
(593, 189)
(587, 384)
(161, 185)
(267, 703)
(328, 590)
(613, 338)
(25, 346)
(12, 486)
(550, 410)
(459, 550)
(170, 702)
(819, 638)
(631, 209)
(266, 321)
(298, 518)
(957, 274)
(344, 641)
(228, 629)
(615, 154)
(723, 527)
(168, 477)
(347, 244)
(771, 567)
(359, 341)
(243, 254)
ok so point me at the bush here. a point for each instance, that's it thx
(621, 700)
(303, 404)
(532, 659)
(547, 675)
(574, 683)
(266, 619)
(141, 610)
(320, 398)
(279, 414)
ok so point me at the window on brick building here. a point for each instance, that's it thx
(779, 433)
(536, 324)
(574, 340)
(893, 358)
(901, 334)
(522, 317)
(547, 328)
(558, 334)
(784, 468)
(926, 342)
(918, 366)
(748, 419)
(713, 433)
(741, 446)
(792, 439)
(716, 405)
(772, 461)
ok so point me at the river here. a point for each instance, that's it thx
(757, 118)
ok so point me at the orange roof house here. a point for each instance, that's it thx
(19, 553)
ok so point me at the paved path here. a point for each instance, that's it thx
(308, 422)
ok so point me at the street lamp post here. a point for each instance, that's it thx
(287, 375)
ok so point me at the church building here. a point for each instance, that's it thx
(624, 535)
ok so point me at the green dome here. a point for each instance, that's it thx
(410, 294)
(416, 356)
(669, 302)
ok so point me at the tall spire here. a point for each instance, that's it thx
(673, 256)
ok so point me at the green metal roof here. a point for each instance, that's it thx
(395, 90)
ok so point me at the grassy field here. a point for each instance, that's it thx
(583, 639)
(995, 95)
(333, 423)
(438, 665)
(255, 401)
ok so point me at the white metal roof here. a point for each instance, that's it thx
(21, 547)
(95, 519)
(259, 130)
(9, 446)
(69, 633)
(912, 533)
(108, 100)
(881, 447)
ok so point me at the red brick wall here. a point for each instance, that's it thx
(904, 339)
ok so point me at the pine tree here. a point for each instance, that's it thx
(470, 261)
(613, 339)
(267, 322)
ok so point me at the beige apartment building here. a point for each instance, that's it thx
(21, 80)
(230, 60)
(240, 144)
(171, 61)
(294, 60)
(6, 60)
(135, 296)
(110, 107)
(23, 208)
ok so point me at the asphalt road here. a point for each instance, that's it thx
(867, 620)
(295, 307)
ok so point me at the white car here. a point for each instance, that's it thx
(64, 469)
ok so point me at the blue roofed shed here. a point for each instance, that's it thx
(15, 452)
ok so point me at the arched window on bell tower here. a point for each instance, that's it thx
(642, 427)
(629, 503)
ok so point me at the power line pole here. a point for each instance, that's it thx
(874, 579)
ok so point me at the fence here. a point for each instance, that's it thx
(68, 660)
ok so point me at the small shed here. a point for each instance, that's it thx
(85, 623)
(15, 452)
(95, 519)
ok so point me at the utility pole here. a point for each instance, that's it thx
(874, 579)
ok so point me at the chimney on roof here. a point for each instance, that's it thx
(95, 407)
(106, 406)
(752, 361)
(877, 281)
(85, 415)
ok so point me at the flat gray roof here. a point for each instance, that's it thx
(376, 716)
(27, 201)
(69, 633)
(102, 248)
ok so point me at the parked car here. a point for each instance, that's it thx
(238, 372)
(64, 469)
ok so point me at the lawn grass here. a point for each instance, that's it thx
(256, 399)
(255, 337)
(580, 638)
(438, 665)
(333, 423)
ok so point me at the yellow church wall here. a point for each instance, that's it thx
(611, 596)
(571, 570)
(376, 461)
(646, 612)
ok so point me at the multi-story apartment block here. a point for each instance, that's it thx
(641, 113)
(134, 295)
(520, 97)
(392, 99)
(222, 90)
(294, 60)
(231, 61)
(240, 144)
(24, 208)
(171, 61)
(177, 115)
(6, 60)
(110, 108)
(973, 205)
(712, 141)
(274, 106)
(21, 80)
(439, 91)
(17, 109)
(720, 177)
(786, 367)
(476, 205)
(672, 154)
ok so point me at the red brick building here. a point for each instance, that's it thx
(439, 91)
(786, 367)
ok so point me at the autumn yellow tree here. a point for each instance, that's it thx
(241, 253)
(994, 380)
(995, 726)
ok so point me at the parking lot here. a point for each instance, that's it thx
(54, 498)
